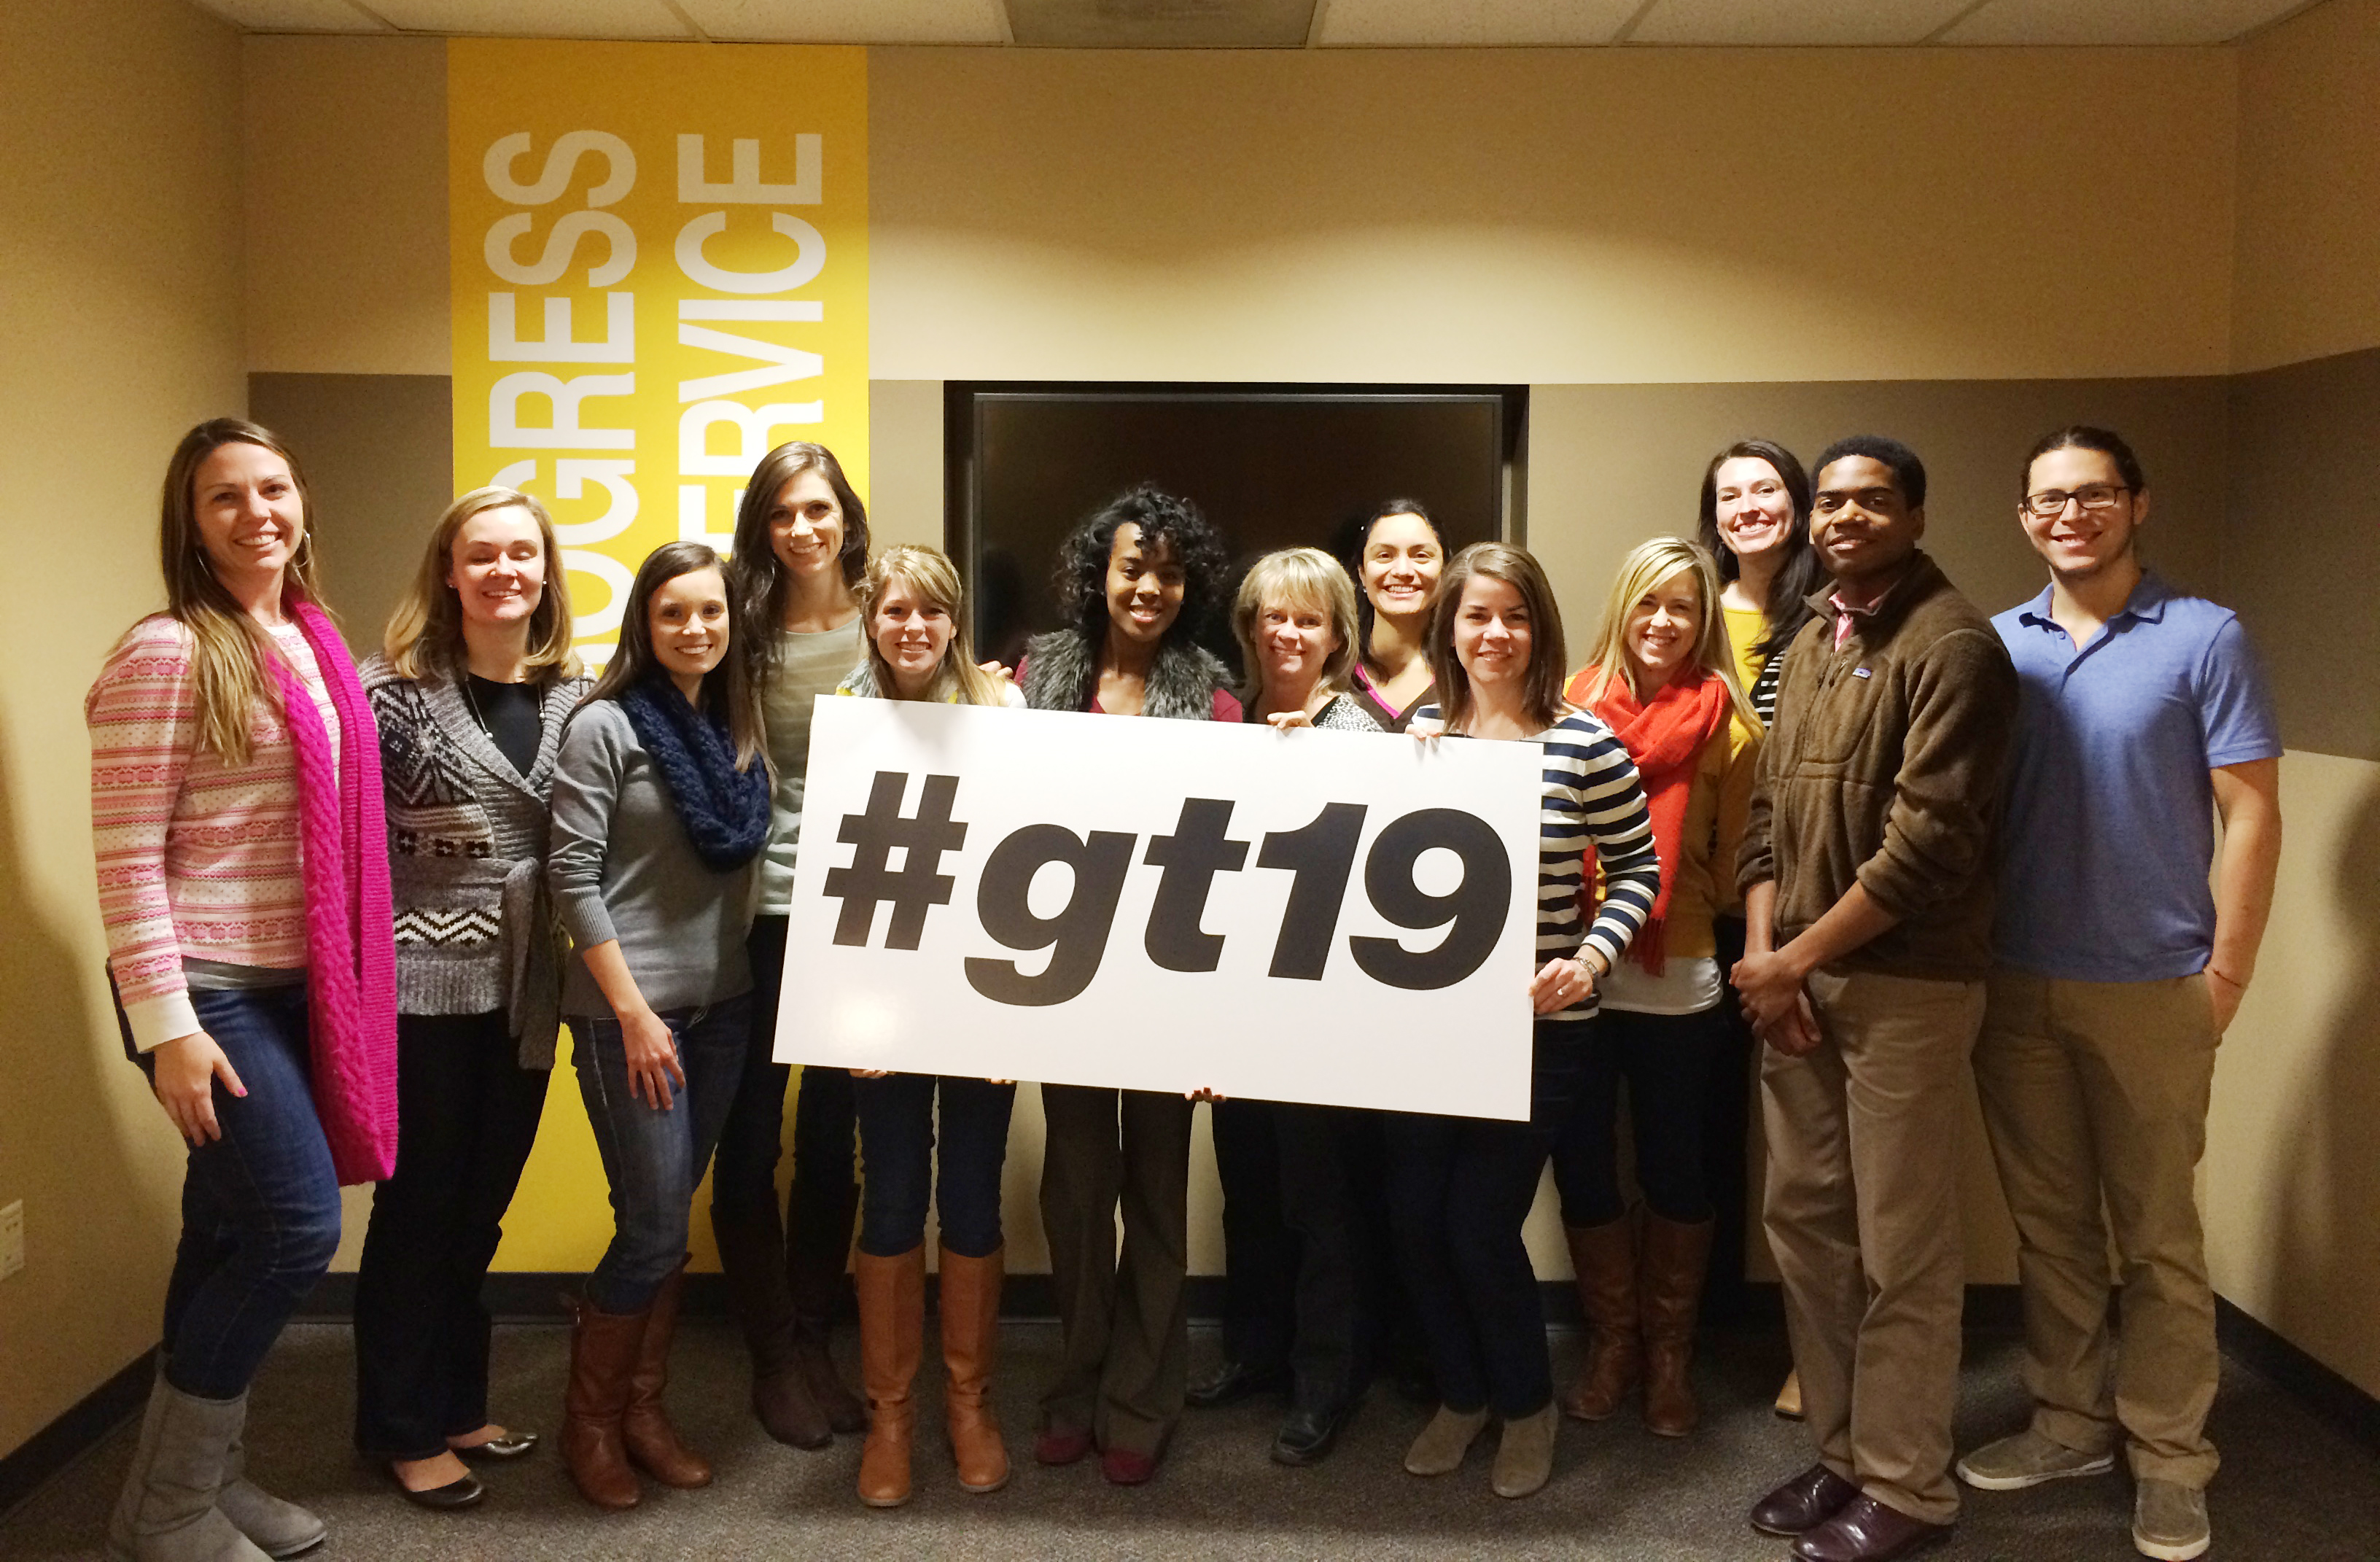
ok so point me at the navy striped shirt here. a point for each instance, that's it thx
(1590, 799)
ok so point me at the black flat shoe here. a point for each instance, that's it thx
(1234, 1381)
(1307, 1436)
(511, 1446)
(442, 1499)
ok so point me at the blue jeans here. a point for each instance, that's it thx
(654, 1158)
(259, 1205)
(896, 1136)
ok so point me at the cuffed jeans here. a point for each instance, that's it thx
(259, 1205)
(907, 1165)
(1460, 1191)
(1666, 1060)
(466, 1118)
(654, 1157)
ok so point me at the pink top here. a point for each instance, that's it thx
(197, 859)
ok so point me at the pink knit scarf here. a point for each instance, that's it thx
(350, 941)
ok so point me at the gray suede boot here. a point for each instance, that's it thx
(167, 1512)
(279, 1527)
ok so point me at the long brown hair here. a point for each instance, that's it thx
(929, 573)
(756, 580)
(1541, 697)
(725, 689)
(425, 633)
(227, 647)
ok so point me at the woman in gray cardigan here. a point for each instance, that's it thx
(470, 692)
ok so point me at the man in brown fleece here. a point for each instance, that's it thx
(1867, 879)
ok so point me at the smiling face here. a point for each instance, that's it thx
(1401, 562)
(2079, 542)
(250, 516)
(688, 616)
(1492, 632)
(911, 631)
(806, 525)
(1295, 643)
(1662, 629)
(1864, 528)
(1753, 510)
(1144, 587)
(496, 567)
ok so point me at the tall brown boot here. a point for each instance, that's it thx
(602, 1358)
(970, 1341)
(652, 1442)
(891, 1337)
(1676, 1258)
(750, 1255)
(1605, 1258)
(817, 1251)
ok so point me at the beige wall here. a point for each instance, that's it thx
(119, 247)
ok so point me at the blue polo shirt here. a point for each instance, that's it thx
(2110, 829)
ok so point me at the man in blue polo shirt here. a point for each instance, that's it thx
(2116, 970)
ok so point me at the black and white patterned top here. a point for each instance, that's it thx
(1764, 689)
(1343, 714)
(1591, 801)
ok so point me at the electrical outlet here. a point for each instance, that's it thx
(12, 1238)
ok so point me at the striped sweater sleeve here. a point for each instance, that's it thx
(142, 715)
(1592, 799)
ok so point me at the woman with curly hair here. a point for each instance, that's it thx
(1136, 579)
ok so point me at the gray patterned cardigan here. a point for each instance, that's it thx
(466, 843)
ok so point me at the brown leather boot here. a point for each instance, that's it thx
(751, 1256)
(1676, 1258)
(891, 1337)
(603, 1358)
(1605, 1258)
(970, 1341)
(817, 1253)
(652, 1442)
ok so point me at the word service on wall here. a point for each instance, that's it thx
(1338, 918)
(659, 255)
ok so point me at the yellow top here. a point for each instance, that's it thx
(1746, 626)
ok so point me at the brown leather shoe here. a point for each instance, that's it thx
(1868, 1530)
(970, 1341)
(891, 1337)
(817, 1253)
(751, 1257)
(1061, 1444)
(1674, 1259)
(602, 1357)
(1605, 1259)
(654, 1444)
(1804, 1503)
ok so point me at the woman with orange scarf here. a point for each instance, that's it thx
(1663, 677)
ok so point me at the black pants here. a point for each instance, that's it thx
(467, 1114)
(1259, 1252)
(1460, 1191)
(744, 1174)
(1666, 1060)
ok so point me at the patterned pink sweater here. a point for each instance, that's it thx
(197, 859)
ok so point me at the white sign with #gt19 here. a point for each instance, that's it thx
(1338, 918)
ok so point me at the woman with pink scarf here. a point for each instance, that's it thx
(243, 878)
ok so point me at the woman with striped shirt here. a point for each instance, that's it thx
(1461, 1187)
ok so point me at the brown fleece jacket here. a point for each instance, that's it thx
(1884, 768)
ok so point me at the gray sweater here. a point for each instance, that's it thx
(623, 867)
(466, 845)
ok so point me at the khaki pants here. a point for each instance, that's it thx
(2095, 1089)
(1862, 1214)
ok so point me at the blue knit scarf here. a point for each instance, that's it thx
(725, 810)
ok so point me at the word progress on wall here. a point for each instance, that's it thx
(1327, 916)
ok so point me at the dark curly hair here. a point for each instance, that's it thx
(1079, 584)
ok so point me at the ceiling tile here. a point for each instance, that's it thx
(536, 19)
(1794, 21)
(1160, 24)
(849, 21)
(2115, 21)
(294, 16)
(1472, 23)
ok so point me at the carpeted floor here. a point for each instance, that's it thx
(2292, 1486)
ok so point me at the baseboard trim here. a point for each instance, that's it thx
(2256, 1345)
(76, 1432)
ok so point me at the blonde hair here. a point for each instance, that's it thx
(1649, 564)
(425, 633)
(929, 573)
(227, 647)
(1541, 686)
(1298, 578)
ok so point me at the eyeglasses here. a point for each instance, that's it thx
(2050, 503)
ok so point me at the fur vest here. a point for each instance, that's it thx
(1061, 673)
